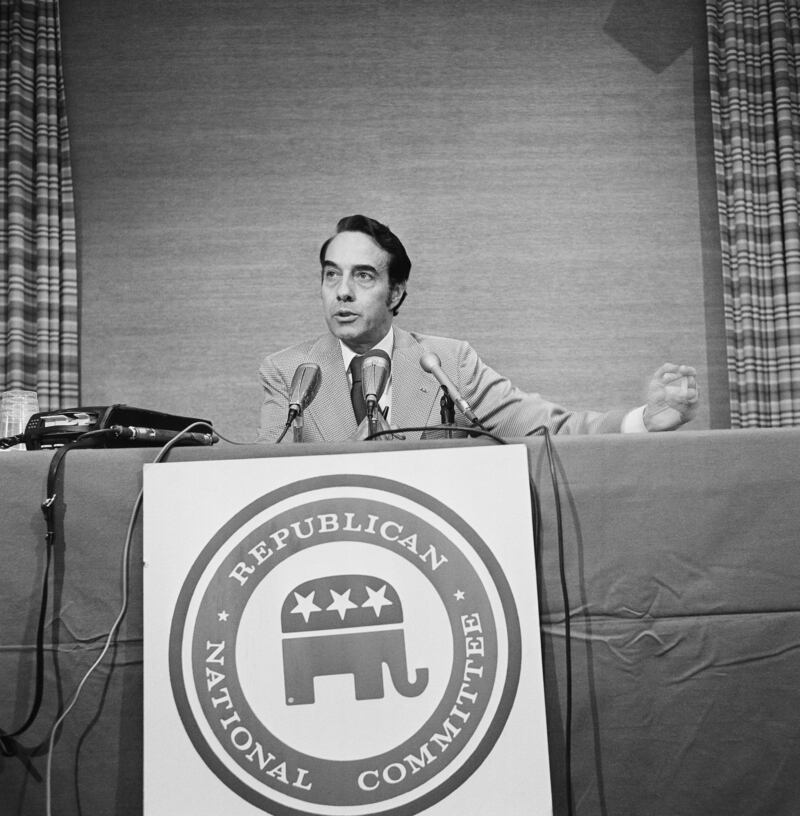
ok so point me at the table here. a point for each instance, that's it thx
(683, 571)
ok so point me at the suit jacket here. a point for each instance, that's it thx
(502, 408)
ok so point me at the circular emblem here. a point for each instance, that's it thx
(344, 645)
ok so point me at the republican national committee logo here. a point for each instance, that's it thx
(345, 645)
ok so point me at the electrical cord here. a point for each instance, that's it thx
(9, 745)
(9, 740)
(543, 431)
(224, 438)
(107, 645)
(568, 679)
(471, 431)
(10, 441)
(118, 620)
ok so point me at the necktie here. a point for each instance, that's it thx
(356, 392)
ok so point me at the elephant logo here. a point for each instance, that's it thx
(315, 619)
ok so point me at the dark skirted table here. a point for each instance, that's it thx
(683, 570)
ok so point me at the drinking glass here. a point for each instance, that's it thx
(17, 406)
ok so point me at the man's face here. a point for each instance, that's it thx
(356, 294)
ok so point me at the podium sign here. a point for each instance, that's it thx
(343, 635)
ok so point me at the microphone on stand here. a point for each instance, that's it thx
(305, 385)
(447, 411)
(431, 363)
(375, 371)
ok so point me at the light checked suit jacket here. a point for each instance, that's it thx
(502, 408)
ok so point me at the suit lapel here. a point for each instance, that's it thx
(331, 411)
(414, 393)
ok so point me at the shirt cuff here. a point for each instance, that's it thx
(633, 421)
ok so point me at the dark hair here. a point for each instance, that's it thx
(399, 262)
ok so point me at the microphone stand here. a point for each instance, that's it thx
(448, 411)
(297, 428)
(372, 422)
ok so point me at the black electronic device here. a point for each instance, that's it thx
(127, 427)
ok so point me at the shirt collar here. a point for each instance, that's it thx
(386, 344)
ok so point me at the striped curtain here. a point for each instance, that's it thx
(754, 58)
(38, 275)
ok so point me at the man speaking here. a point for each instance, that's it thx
(365, 269)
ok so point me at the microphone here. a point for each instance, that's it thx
(375, 370)
(431, 363)
(161, 437)
(305, 384)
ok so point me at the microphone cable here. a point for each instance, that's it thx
(544, 431)
(536, 512)
(11, 441)
(9, 744)
(283, 432)
(471, 430)
(118, 620)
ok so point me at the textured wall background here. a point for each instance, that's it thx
(547, 165)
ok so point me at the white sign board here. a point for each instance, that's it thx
(343, 635)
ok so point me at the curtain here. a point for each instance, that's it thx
(754, 57)
(38, 274)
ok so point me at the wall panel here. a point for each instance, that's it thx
(547, 164)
